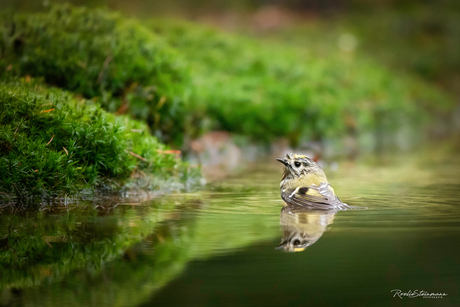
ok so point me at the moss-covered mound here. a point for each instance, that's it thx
(100, 55)
(51, 142)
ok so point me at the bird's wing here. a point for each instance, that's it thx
(314, 197)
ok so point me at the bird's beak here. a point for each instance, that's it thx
(284, 161)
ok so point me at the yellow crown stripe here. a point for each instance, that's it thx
(299, 156)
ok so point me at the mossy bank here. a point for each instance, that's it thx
(52, 143)
(100, 55)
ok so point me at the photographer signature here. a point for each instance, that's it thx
(417, 293)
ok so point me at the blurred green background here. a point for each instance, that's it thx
(422, 36)
(301, 70)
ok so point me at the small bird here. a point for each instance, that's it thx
(305, 184)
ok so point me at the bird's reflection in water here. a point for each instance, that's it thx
(303, 227)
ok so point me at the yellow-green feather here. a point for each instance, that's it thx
(307, 180)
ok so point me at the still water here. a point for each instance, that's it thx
(233, 243)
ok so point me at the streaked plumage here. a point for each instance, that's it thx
(305, 184)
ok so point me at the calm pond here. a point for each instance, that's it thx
(228, 244)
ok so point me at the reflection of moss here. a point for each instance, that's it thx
(47, 247)
(119, 259)
(84, 259)
(51, 143)
(109, 270)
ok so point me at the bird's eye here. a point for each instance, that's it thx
(296, 242)
(297, 164)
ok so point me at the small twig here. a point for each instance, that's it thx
(161, 102)
(55, 185)
(66, 152)
(20, 124)
(50, 140)
(17, 189)
(104, 66)
(46, 111)
(137, 156)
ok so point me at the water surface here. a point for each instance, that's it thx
(233, 244)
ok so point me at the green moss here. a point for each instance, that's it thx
(52, 143)
(100, 55)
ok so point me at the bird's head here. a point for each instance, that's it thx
(297, 166)
(295, 242)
